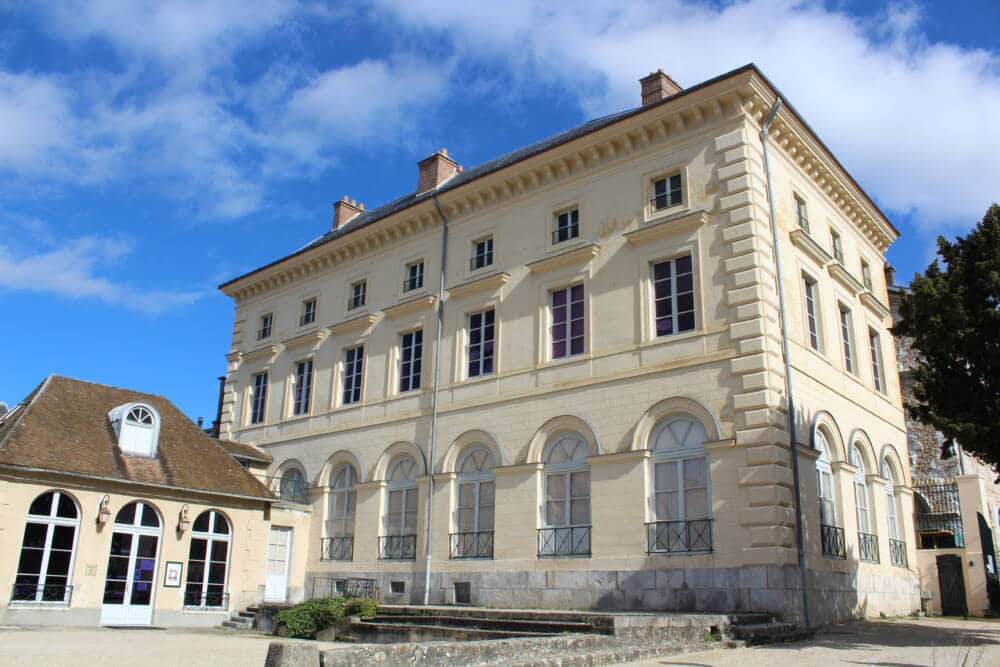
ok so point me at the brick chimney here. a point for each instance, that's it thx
(658, 86)
(435, 170)
(890, 274)
(346, 210)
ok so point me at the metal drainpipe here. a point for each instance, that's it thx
(434, 402)
(793, 440)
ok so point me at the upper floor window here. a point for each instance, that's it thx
(414, 276)
(137, 426)
(411, 356)
(359, 293)
(667, 192)
(567, 322)
(308, 315)
(673, 295)
(847, 337)
(292, 486)
(354, 360)
(838, 246)
(258, 398)
(264, 326)
(800, 213)
(567, 226)
(44, 569)
(481, 342)
(810, 292)
(866, 275)
(303, 387)
(482, 253)
(875, 347)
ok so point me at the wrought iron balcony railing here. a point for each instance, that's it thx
(338, 548)
(477, 544)
(562, 234)
(868, 547)
(564, 541)
(51, 594)
(834, 542)
(397, 547)
(293, 490)
(209, 600)
(897, 553)
(667, 537)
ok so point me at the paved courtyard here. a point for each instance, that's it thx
(909, 643)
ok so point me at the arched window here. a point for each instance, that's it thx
(137, 427)
(292, 486)
(824, 480)
(399, 540)
(45, 566)
(867, 542)
(473, 536)
(567, 498)
(131, 575)
(208, 561)
(892, 515)
(681, 507)
(140, 416)
(339, 543)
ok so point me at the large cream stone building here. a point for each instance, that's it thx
(556, 379)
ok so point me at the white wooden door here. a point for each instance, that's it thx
(130, 582)
(279, 548)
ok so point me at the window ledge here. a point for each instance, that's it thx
(414, 305)
(580, 255)
(265, 353)
(666, 226)
(873, 304)
(486, 283)
(652, 215)
(562, 361)
(844, 277)
(355, 323)
(805, 243)
(664, 340)
(308, 339)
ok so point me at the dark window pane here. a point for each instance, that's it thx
(142, 592)
(685, 302)
(221, 525)
(121, 543)
(559, 349)
(559, 298)
(31, 561)
(576, 328)
(577, 292)
(62, 537)
(196, 571)
(58, 563)
(576, 346)
(147, 546)
(685, 282)
(664, 327)
(198, 549)
(219, 551)
(117, 568)
(217, 573)
(201, 523)
(661, 271)
(685, 322)
(149, 517)
(126, 514)
(34, 535)
(42, 505)
(114, 592)
(67, 508)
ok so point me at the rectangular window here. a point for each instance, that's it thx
(482, 253)
(673, 295)
(303, 387)
(308, 315)
(875, 345)
(258, 398)
(800, 213)
(414, 276)
(812, 311)
(567, 226)
(354, 360)
(359, 292)
(481, 337)
(846, 338)
(866, 275)
(264, 329)
(667, 192)
(838, 246)
(567, 322)
(411, 355)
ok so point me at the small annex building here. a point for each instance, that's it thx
(117, 509)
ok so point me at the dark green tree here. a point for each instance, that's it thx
(952, 316)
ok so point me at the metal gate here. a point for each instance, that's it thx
(989, 564)
(952, 586)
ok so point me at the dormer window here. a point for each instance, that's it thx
(137, 427)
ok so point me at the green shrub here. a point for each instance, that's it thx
(307, 618)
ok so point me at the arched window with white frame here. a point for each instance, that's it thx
(832, 535)
(136, 427)
(45, 566)
(567, 528)
(339, 541)
(867, 541)
(399, 531)
(474, 507)
(680, 502)
(897, 546)
(292, 486)
(208, 562)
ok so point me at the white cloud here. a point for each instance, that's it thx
(36, 121)
(72, 270)
(914, 121)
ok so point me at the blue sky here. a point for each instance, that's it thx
(151, 150)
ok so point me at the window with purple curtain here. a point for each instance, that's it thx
(673, 295)
(567, 322)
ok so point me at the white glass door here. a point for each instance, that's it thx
(279, 546)
(130, 582)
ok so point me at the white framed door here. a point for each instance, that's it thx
(130, 582)
(279, 551)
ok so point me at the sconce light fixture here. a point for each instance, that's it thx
(183, 522)
(103, 513)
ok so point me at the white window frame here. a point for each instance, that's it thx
(342, 501)
(866, 275)
(801, 212)
(50, 522)
(211, 537)
(825, 481)
(572, 225)
(892, 515)
(811, 309)
(302, 392)
(836, 245)
(551, 340)
(257, 398)
(875, 351)
(310, 309)
(484, 475)
(413, 272)
(567, 469)
(845, 319)
(486, 256)
(410, 381)
(673, 295)
(357, 288)
(862, 506)
(356, 379)
(409, 493)
(263, 333)
(482, 341)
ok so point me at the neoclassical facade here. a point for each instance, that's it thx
(556, 379)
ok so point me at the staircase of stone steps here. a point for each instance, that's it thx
(242, 620)
(755, 629)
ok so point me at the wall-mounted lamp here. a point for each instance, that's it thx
(183, 522)
(103, 513)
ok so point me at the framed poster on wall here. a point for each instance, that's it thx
(172, 574)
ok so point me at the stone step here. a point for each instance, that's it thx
(246, 614)
(385, 633)
(236, 625)
(607, 656)
(771, 633)
(485, 623)
(599, 622)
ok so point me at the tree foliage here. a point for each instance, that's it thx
(952, 316)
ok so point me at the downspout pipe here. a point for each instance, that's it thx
(428, 559)
(789, 393)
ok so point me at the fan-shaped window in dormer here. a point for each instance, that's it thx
(141, 416)
(137, 427)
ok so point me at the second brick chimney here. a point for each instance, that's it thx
(658, 86)
(435, 170)
(346, 210)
